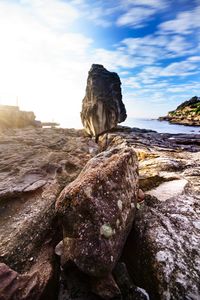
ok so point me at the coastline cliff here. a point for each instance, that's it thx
(187, 113)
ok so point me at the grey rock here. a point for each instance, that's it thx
(162, 252)
(168, 232)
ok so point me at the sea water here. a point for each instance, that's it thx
(160, 126)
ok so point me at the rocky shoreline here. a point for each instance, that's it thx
(113, 215)
(161, 253)
(187, 113)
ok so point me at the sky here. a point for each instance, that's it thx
(47, 48)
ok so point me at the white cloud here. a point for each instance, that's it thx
(95, 12)
(97, 15)
(139, 12)
(131, 82)
(114, 60)
(179, 69)
(183, 68)
(45, 66)
(135, 17)
(158, 4)
(178, 44)
(184, 23)
(194, 58)
(159, 47)
(55, 13)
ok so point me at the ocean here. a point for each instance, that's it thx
(160, 126)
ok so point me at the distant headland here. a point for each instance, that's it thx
(187, 113)
(13, 117)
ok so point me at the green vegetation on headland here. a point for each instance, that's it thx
(187, 113)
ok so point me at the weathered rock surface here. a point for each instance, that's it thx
(168, 234)
(187, 113)
(102, 107)
(40, 282)
(12, 117)
(162, 251)
(35, 165)
(98, 209)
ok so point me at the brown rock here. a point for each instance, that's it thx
(102, 107)
(105, 287)
(35, 165)
(98, 209)
(31, 285)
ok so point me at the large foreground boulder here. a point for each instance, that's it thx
(98, 209)
(102, 107)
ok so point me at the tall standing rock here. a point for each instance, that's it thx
(102, 107)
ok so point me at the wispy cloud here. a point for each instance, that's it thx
(136, 17)
(114, 60)
(184, 23)
(139, 12)
(159, 47)
(158, 4)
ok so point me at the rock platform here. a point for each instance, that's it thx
(161, 254)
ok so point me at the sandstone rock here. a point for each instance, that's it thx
(98, 209)
(35, 165)
(169, 189)
(102, 107)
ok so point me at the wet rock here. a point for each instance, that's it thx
(102, 107)
(97, 211)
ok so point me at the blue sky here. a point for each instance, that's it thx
(47, 47)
